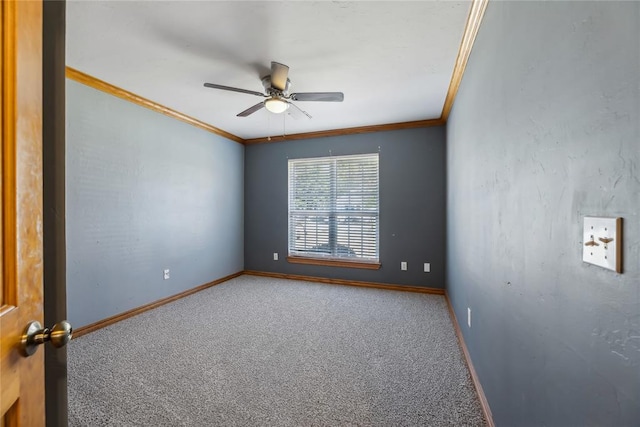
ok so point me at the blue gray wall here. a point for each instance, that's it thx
(145, 192)
(545, 130)
(412, 204)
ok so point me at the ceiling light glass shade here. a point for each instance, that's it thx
(276, 105)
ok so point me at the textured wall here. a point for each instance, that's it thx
(543, 132)
(145, 192)
(412, 199)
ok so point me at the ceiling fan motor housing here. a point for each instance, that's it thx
(266, 82)
(276, 90)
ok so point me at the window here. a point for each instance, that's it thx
(333, 208)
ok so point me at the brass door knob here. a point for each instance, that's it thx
(34, 335)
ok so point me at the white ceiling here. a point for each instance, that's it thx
(393, 60)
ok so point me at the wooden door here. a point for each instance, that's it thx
(21, 287)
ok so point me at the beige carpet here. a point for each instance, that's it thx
(255, 351)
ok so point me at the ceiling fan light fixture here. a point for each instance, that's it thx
(276, 105)
(276, 91)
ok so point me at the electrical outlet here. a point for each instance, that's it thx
(469, 316)
(275, 256)
(166, 274)
(403, 266)
(427, 267)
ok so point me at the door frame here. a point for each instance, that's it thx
(54, 242)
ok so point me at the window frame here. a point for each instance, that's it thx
(332, 213)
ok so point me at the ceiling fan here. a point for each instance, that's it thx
(276, 86)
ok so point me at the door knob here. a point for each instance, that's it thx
(34, 335)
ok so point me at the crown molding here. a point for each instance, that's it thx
(347, 131)
(103, 86)
(472, 26)
(468, 38)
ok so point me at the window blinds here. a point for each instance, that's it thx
(333, 207)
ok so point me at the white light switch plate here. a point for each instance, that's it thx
(602, 242)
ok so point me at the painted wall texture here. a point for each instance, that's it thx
(544, 131)
(412, 204)
(145, 192)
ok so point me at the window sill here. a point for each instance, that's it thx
(334, 262)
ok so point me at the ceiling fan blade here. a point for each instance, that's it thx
(318, 96)
(234, 89)
(296, 112)
(279, 75)
(251, 110)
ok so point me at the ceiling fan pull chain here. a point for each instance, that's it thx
(284, 126)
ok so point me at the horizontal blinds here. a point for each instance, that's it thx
(333, 207)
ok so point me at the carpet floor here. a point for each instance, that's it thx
(256, 351)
